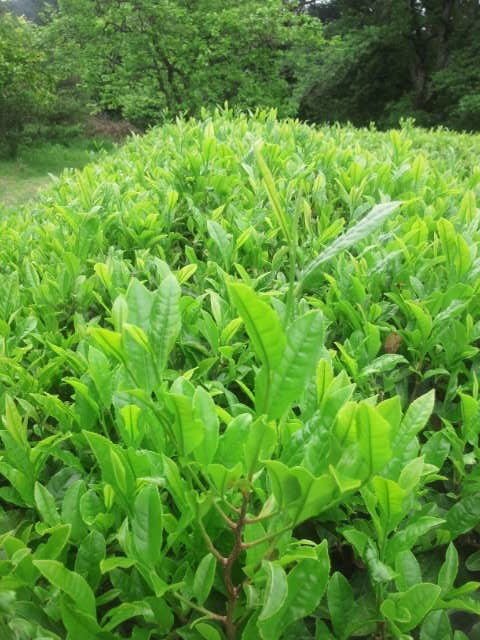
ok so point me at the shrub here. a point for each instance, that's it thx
(239, 380)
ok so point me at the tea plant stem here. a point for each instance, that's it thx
(233, 591)
(196, 478)
(381, 623)
(224, 516)
(267, 538)
(196, 607)
(211, 547)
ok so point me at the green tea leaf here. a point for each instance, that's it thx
(340, 599)
(370, 223)
(273, 195)
(70, 583)
(373, 438)
(189, 430)
(297, 366)
(205, 411)
(147, 525)
(408, 570)
(262, 324)
(91, 552)
(126, 611)
(204, 577)
(306, 585)
(463, 516)
(165, 320)
(276, 590)
(416, 603)
(436, 626)
(448, 570)
(45, 504)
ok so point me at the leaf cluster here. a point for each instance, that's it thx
(239, 388)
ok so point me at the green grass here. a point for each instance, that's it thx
(22, 178)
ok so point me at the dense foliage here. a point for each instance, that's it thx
(387, 60)
(146, 59)
(149, 61)
(239, 387)
(24, 92)
(39, 97)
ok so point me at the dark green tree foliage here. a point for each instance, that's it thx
(385, 60)
(144, 59)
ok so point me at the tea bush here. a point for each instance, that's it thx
(239, 381)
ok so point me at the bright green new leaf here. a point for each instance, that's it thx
(188, 428)
(374, 438)
(204, 577)
(70, 583)
(204, 410)
(413, 422)
(273, 196)
(14, 423)
(370, 223)
(165, 320)
(260, 443)
(297, 366)
(299, 492)
(58, 538)
(391, 500)
(45, 504)
(115, 470)
(408, 570)
(126, 611)
(147, 525)
(110, 342)
(139, 303)
(115, 562)
(262, 324)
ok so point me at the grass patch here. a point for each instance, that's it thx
(31, 170)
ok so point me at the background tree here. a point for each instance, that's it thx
(25, 88)
(398, 58)
(321, 60)
(145, 59)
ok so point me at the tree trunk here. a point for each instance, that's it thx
(445, 31)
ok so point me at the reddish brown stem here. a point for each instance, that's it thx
(233, 591)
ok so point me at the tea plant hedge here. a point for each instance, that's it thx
(239, 385)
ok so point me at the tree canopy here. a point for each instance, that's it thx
(150, 60)
(144, 58)
(384, 60)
